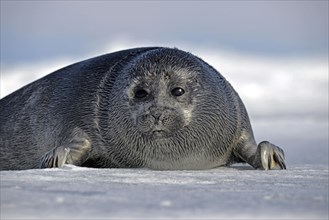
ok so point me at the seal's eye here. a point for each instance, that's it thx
(141, 93)
(177, 91)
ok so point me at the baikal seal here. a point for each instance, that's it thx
(155, 107)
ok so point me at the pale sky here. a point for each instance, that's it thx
(34, 30)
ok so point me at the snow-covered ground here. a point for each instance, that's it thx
(299, 192)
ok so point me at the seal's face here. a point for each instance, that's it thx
(161, 101)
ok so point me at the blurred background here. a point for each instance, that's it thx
(274, 53)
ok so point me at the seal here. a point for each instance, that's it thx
(158, 108)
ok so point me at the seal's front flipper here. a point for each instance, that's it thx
(54, 158)
(74, 150)
(269, 157)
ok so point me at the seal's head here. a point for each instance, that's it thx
(164, 104)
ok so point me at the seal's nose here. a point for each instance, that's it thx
(156, 115)
(155, 112)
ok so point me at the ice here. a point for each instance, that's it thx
(239, 191)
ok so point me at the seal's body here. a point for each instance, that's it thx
(158, 108)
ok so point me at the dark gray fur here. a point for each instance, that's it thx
(87, 114)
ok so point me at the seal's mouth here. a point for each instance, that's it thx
(159, 133)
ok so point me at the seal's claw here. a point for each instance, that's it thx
(74, 150)
(270, 156)
(55, 157)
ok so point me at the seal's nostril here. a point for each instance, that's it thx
(156, 115)
(155, 112)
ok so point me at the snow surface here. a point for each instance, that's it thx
(227, 192)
